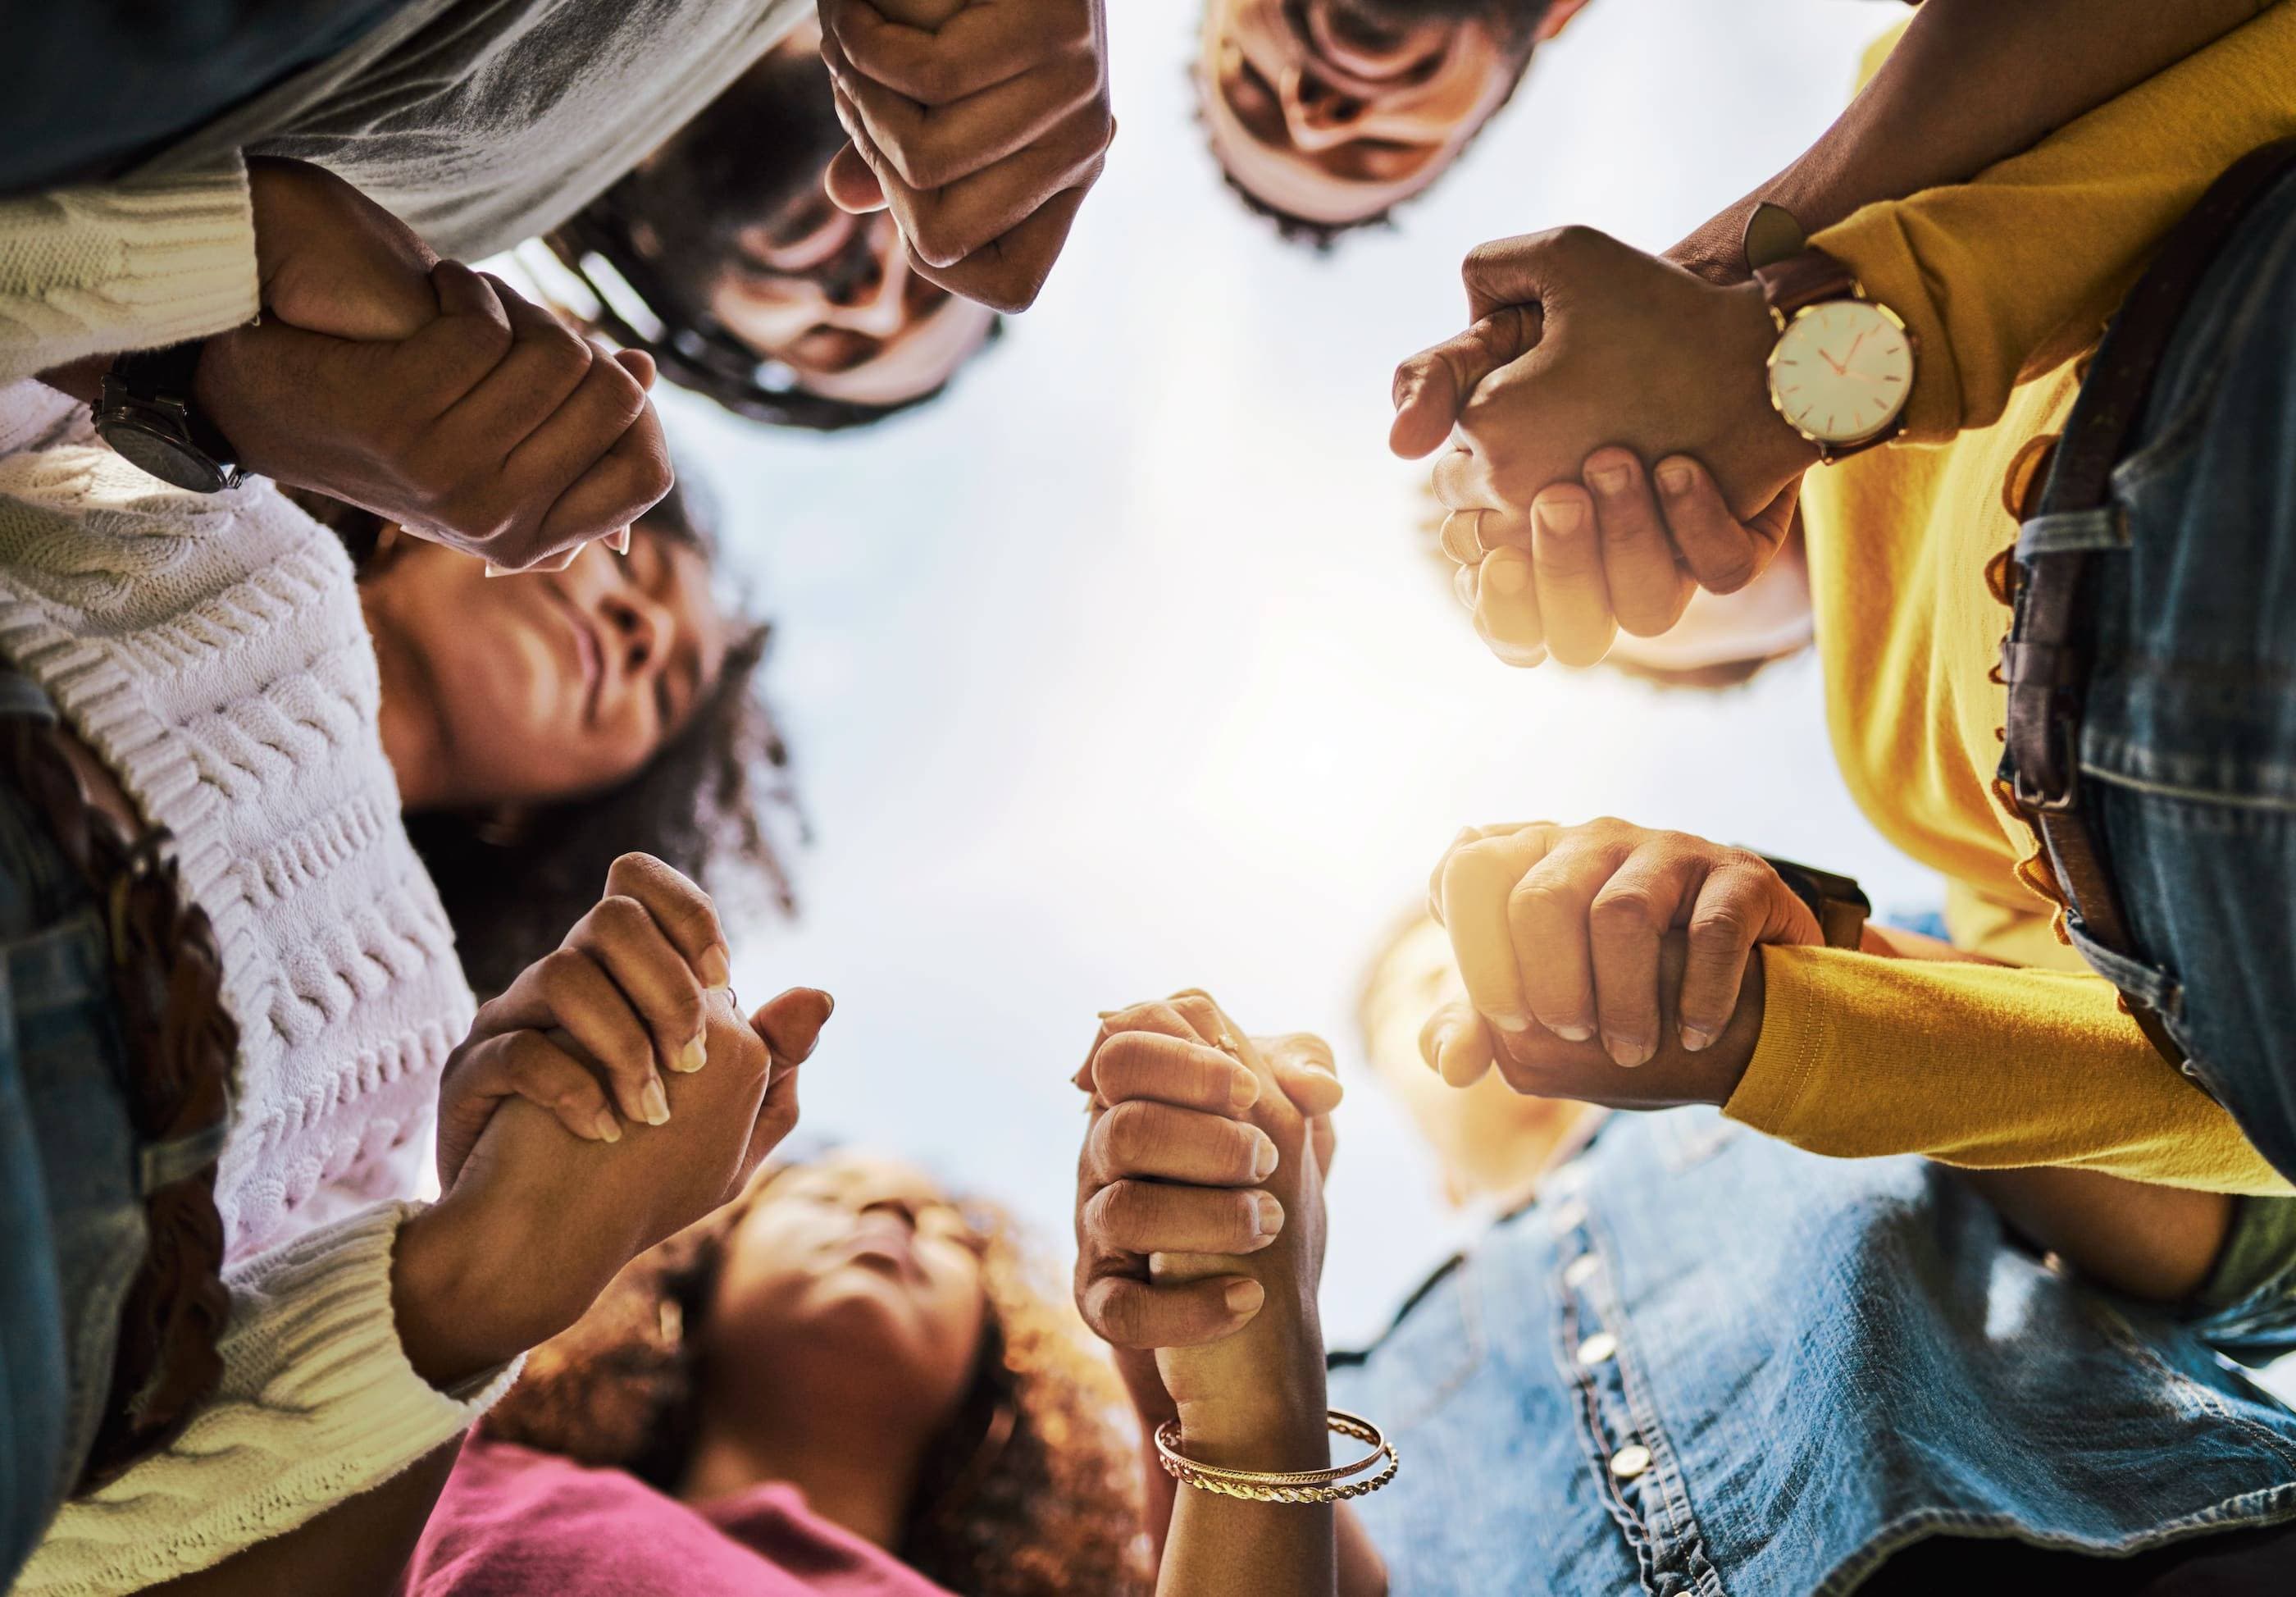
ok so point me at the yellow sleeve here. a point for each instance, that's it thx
(2009, 275)
(1984, 1065)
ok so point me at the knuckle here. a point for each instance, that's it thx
(562, 968)
(1626, 911)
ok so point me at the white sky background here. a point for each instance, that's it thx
(1122, 669)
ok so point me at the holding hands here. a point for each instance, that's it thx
(1608, 443)
(417, 389)
(981, 124)
(1606, 962)
(1199, 1220)
(530, 1228)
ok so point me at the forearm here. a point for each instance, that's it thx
(1972, 82)
(359, 1548)
(1978, 1066)
(1222, 1546)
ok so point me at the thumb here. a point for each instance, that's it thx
(1433, 386)
(790, 1024)
(850, 184)
(1304, 1069)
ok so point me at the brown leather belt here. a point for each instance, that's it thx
(2048, 657)
(180, 1046)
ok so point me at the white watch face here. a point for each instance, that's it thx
(1841, 370)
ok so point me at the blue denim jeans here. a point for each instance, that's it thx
(1708, 1364)
(71, 1217)
(2188, 750)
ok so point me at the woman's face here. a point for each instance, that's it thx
(862, 1261)
(1336, 111)
(832, 297)
(547, 686)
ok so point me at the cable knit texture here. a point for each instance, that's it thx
(133, 266)
(211, 649)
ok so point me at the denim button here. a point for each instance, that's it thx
(1597, 1348)
(1570, 1217)
(1579, 1271)
(1630, 1461)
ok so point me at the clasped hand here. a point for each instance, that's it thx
(981, 126)
(1606, 962)
(417, 389)
(1607, 442)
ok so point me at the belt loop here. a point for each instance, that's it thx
(2071, 531)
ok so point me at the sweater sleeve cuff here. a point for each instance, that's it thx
(318, 1402)
(1872, 243)
(132, 266)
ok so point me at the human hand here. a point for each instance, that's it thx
(1200, 1222)
(533, 1227)
(1561, 933)
(981, 125)
(419, 391)
(624, 998)
(1553, 382)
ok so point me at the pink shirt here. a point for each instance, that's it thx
(516, 1523)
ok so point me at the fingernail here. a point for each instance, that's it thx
(496, 571)
(692, 1057)
(1505, 576)
(1522, 659)
(1674, 477)
(1263, 1160)
(715, 967)
(1243, 1297)
(1560, 516)
(1608, 479)
(609, 1127)
(1462, 586)
(1243, 1092)
(1434, 1060)
(1573, 1033)
(655, 1102)
(1696, 1039)
(1267, 1214)
(1627, 1052)
(1512, 1023)
(620, 542)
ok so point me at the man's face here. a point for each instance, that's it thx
(1335, 111)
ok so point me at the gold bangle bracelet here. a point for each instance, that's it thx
(1332, 1485)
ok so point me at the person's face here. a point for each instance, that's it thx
(832, 297)
(862, 1261)
(1335, 111)
(546, 686)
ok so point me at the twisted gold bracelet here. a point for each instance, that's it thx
(1333, 1485)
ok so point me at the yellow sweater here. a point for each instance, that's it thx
(2003, 281)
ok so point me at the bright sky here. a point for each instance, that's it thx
(1122, 669)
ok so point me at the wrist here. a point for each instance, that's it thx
(456, 1316)
(1776, 450)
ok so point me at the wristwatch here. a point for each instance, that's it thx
(1844, 365)
(147, 415)
(1840, 904)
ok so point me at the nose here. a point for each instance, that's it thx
(1317, 116)
(898, 1208)
(876, 301)
(642, 630)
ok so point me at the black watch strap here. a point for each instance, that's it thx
(1840, 904)
(167, 375)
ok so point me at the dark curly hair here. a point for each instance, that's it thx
(1031, 1490)
(704, 803)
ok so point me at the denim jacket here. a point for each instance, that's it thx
(1707, 1362)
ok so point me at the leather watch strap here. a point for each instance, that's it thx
(170, 374)
(1839, 903)
(1809, 278)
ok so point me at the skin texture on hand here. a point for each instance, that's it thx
(536, 1223)
(1560, 927)
(624, 998)
(981, 126)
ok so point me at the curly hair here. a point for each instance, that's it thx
(700, 804)
(1030, 1490)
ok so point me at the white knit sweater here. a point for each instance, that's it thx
(211, 650)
